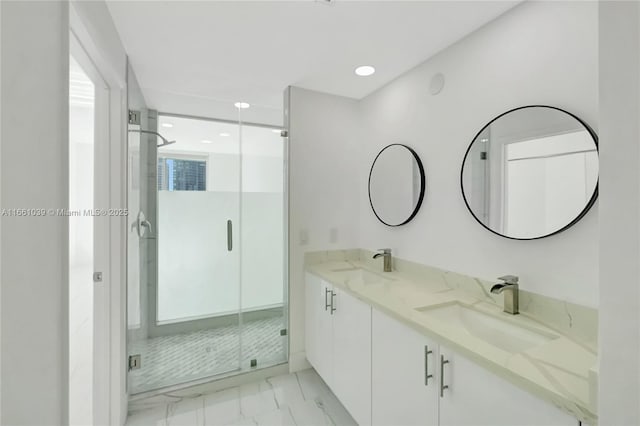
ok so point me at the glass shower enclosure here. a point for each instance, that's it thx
(207, 288)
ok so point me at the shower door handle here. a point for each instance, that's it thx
(141, 225)
(146, 224)
(229, 235)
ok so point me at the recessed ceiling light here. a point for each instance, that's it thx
(365, 70)
(167, 125)
(224, 134)
(205, 141)
(241, 105)
(276, 131)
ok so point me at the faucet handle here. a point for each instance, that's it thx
(385, 250)
(509, 279)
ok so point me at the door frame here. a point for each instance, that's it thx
(100, 228)
(110, 394)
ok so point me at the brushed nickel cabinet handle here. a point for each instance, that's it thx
(442, 385)
(333, 308)
(427, 376)
(326, 303)
(229, 235)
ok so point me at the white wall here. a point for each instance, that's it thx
(34, 134)
(537, 53)
(322, 190)
(619, 386)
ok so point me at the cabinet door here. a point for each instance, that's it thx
(402, 358)
(352, 355)
(318, 326)
(477, 397)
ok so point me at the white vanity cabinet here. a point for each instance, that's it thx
(404, 364)
(338, 344)
(476, 397)
(386, 373)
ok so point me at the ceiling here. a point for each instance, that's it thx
(199, 57)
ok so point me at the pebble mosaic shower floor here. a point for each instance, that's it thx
(179, 358)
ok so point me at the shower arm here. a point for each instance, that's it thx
(165, 142)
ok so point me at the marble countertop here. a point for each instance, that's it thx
(557, 370)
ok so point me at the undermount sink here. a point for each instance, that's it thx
(501, 333)
(360, 276)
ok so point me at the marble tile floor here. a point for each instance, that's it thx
(300, 399)
(180, 358)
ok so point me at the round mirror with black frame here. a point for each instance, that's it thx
(531, 172)
(396, 185)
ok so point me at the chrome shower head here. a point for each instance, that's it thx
(165, 141)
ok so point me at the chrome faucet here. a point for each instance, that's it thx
(387, 258)
(510, 285)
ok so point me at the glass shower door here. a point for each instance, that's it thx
(209, 295)
(198, 246)
(263, 248)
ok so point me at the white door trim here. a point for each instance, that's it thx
(110, 394)
(100, 227)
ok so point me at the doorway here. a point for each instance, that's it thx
(88, 238)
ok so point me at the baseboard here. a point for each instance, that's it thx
(124, 410)
(298, 362)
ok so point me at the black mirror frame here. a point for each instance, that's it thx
(584, 211)
(422, 185)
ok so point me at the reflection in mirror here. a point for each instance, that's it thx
(531, 172)
(396, 185)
